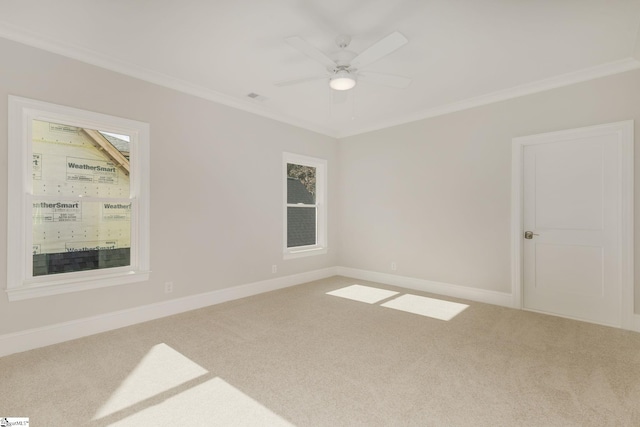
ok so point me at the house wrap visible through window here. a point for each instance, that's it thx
(78, 200)
(305, 213)
(81, 212)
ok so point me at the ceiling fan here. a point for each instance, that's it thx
(344, 67)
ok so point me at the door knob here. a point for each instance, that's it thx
(529, 234)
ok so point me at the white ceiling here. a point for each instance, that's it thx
(460, 53)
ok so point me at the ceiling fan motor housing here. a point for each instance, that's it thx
(343, 58)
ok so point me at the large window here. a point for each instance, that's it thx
(78, 200)
(305, 206)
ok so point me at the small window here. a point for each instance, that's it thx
(305, 207)
(78, 200)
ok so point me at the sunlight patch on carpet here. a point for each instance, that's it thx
(212, 403)
(430, 307)
(160, 370)
(362, 293)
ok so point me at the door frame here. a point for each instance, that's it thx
(624, 131)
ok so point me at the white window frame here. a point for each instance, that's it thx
(21, 284)
(321, 206)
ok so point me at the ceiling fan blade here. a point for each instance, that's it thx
(382, 48)
(390, 80)
(309, 50)
(296, 81)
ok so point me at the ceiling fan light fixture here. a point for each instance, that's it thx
(342, 80)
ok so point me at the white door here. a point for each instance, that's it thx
(572, 194)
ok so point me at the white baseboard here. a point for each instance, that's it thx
(636, 323)
(60, 332)
(456, 291)
(53, 334)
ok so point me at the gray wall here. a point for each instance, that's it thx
(216, 186)
(435, 195)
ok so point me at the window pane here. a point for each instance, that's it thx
(301, 184)
(80, 235)
(72, 161)
(301, 226)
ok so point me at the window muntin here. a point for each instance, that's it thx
(78, 199)
(305, 183)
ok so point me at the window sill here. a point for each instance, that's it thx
(55, 287)
(292, 254)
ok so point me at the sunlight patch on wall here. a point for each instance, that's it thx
(361, 293)
(160, 370)
(430, 307)
(212, 403)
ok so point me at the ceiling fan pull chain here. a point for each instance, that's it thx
(353, 103)
(331, 99)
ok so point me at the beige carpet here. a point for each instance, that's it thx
(301, 357)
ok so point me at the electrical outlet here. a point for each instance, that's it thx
(274, 268)
(168, 287)
(394, 266)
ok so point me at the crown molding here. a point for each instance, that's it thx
(567, 79)
(88, 56)
(20, 35)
